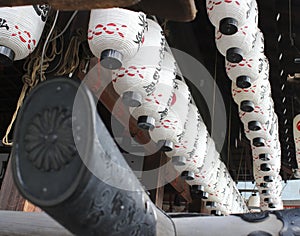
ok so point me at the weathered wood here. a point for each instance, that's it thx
(72, 4)
(109, 99)
(176, 10)
(14, 223)
(10, 198)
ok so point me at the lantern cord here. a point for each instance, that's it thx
(45, 44)
(66, 27)
(71, 59)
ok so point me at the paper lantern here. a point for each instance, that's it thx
(266, 176)
(220, 188)
(167, 131)
(254, 65)
(228, 16)
(115, 35)
(235, 46)
(137, 78)
(261, 114)
(254, 201)
(155, 107)
(195, 157)
(208, 172)
(247, 98)
(20, 31)
(296, 132)
(191, 149)
(272, 191)
(255, 129)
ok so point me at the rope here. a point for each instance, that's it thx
(35, 67)
(71, 59)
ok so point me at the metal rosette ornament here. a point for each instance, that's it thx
(228, 16)
(20, 31)
(138, 77)
(170, 129)
(155, 106)
(254, 65)
(115, 35)
(296, 131)
(235, 46)
(189, 153)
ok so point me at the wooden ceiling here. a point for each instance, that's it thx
(197, 39)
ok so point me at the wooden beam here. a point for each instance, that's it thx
(72, 4)
(108, 98)
(10, 198)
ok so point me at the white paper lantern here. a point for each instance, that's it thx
(155, 107)
(209, 170)
(296, 132)
(266, 176)
(20, 31)
(115, 35)
(265, 131)
(220, 189)
(228, 15)
(137, 78)
(261, 114)
(247, 98)
(254, 65)
(167, 131)
(235, 47)
(191, 149)
(273, 191)
(254, 202)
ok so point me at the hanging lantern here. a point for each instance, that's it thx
(20, 31)
(220, 188)
(191, 149)
(115, 35)
(208, 172)
(247, 98)
(228, 16)
(155, 107)
(266, 176)
(138, 77)
(254, 202)
(167, 131)
(235, 46)
(254, 65)
(255, 129)
(261, 114)
(296, 132)
(269, 141)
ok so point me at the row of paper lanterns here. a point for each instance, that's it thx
(145, 77)
(161, 103)
(240, 40)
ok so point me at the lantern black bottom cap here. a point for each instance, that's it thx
(188, 175)
(146, 122)
(254, 126)
(111, 59)
(234, 55)
(247, 106)
(243, 81)
(178, 160)
(228, 26)
(165, 145)
(7, 56)
(132, 99)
